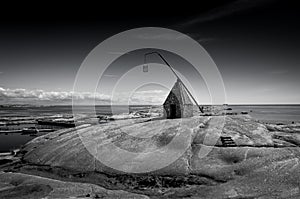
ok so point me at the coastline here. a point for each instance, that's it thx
(55, 119)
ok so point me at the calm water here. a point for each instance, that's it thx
(272, 113)
(278, 113)
(62, 110)
(15, 140)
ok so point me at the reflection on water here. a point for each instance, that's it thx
(14, 140)
(11, 141)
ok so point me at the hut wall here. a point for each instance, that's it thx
(187, 110)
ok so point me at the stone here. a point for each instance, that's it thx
(18, 185)
(254, 168)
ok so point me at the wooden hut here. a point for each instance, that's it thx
(178, 103)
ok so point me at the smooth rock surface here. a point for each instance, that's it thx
(18, 185)
(255, 168)
(65, 148)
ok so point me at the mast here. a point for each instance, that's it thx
(165, 61)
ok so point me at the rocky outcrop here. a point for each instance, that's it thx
(287, 128)
(261, 165)
(18, 185)
(65, 148)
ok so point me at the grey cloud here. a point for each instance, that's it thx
(200, 38)
(160, 37)
(234, 7)
(118, 53)
(108, 75)
(149, 97)
(153, 97)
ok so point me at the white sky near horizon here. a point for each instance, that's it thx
(240, 89)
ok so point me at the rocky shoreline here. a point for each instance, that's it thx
(263, 164)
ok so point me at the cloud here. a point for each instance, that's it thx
(1, 72)
(24, 95)
(64, 97)
(163, 36)
(108, 75)
(228, 9)
(149, 97)
(199, 38)
(151, 92)
(118, 53)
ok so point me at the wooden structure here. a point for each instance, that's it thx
(178, 103)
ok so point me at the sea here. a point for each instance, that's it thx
(271, 113)
(12, 141)
(8, 142)
(64, 110)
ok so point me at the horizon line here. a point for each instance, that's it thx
(228, 104)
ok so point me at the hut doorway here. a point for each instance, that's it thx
(172, 111)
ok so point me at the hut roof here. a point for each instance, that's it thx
(179, 91)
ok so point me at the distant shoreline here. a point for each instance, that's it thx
(140, 105)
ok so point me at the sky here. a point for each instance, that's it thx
(254, 43)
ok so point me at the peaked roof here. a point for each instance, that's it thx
(179, 91)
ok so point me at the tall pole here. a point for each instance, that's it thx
(164, 60)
